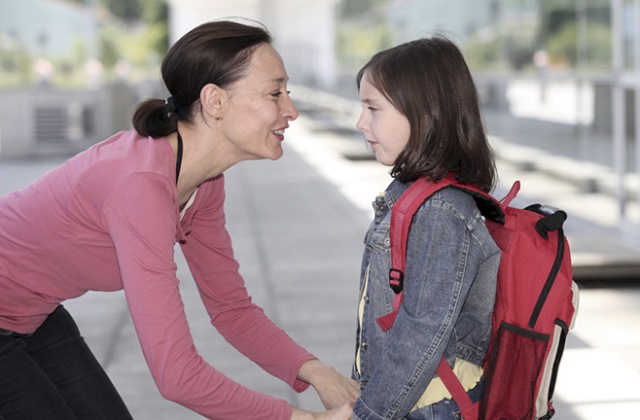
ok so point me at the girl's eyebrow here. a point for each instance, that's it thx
(372, 102)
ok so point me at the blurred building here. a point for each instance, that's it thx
(48, 28)
(559, 76)
(303, 31)
(40, 40)
(411, 19)
(511, 25)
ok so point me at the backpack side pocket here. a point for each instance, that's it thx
(514, 364)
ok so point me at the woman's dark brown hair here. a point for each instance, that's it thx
(215, 52)
(428, 81)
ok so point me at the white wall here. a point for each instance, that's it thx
(303, 31)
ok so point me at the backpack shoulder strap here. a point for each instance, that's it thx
(401, 217)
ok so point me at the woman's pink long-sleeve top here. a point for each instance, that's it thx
(108, 219)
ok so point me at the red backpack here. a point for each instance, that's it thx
(536, 301)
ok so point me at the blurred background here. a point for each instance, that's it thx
(559, 82)
(564, 71)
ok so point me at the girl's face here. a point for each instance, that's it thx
(260, 108)
(384, 128)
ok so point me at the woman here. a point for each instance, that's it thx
(420, 115)
(108, 219)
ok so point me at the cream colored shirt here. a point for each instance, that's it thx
(468, 373)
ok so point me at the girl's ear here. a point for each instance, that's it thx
(213, 99)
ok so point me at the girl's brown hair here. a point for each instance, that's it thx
(428, 81)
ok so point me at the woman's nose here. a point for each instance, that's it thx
(290, 110)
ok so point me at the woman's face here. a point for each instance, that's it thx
(384, 127)
(259, 107)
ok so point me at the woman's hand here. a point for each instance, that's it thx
(333, 388)
(341, 413)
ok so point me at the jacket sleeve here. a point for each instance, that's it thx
(141, 217)
(244, 324)
(438, 276)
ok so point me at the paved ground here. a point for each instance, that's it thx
(297, 226)
(600, 372)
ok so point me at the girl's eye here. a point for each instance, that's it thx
(369, 107)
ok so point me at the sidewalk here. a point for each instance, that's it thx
(297, 226)
(299, 244)
(601, 245)
(600, 373)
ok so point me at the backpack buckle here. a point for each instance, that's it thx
(396, 280)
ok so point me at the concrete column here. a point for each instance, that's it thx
(618, 106)
(303, 31)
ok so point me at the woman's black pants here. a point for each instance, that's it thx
(52, 375)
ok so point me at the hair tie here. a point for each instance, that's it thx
(170, 106)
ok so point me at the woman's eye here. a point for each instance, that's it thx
(280, 93)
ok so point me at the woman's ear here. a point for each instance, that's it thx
(213, 99)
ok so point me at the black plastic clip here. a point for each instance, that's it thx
(396, 280)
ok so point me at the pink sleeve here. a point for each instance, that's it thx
(141, 217)
(209, 253)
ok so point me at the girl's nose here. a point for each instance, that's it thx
(360, 123)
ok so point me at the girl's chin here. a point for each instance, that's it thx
(383, 160)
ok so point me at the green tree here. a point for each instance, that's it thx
(556, 14)
(558, 31)
(349, 8)
(139, 35)
(155, 15)
(127, 10)
(109, 50)
(562, 46)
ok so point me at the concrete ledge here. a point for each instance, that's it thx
(617, 260)
(609, 186)
(588, 177)
(340, 115)
(521, 157)
(615, 270)
(584, 175)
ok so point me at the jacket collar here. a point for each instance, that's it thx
(394, 191)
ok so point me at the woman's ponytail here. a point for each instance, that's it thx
(155, 118)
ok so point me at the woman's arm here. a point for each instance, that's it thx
(141, 218)
(333, 388)
(244, 324)
(341, 413)
(210, 256)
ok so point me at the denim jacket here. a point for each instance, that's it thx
(449, 292)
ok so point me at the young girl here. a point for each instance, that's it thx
(420, 114)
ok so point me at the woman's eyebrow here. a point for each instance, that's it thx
(279, 80)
